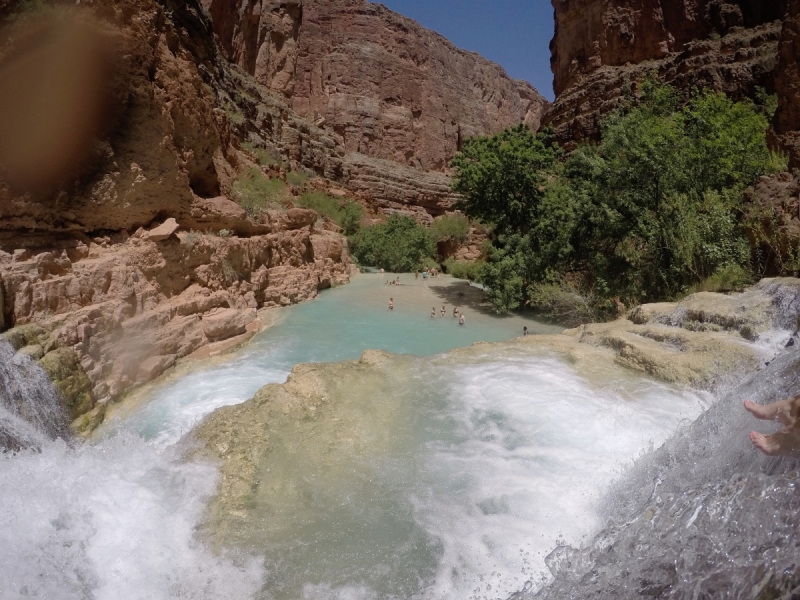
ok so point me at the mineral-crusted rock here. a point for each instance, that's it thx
(602, 49)
(64, 368)
(318, 400)
(389, 87)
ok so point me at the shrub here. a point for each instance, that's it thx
(228, 272)
(345, 213)
(464, 269)
(298, 178)
(729, 278)
(255, 192)
(652, 210)
(264, 157)
(451, 227)
(778, 162)
(399, 245)
(563, 303)
(190, 238)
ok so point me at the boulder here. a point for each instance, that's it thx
(227, 322)
(163, 231)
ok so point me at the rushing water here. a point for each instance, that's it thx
(30, 409)
(464, 476)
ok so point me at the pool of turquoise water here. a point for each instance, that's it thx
(337, 325)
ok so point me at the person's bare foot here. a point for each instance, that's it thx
(778, 444)
(777, 411)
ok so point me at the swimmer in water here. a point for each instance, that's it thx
(525, 331)
(455, 311)
(391, 303)
(787, 440)
(433, 312)
(461, 319)
(443, 312)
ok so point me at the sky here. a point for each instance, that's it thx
(513, 33)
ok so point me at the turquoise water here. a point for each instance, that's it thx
(337, 325)
(435, 477)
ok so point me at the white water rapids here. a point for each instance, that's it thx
(506, 456)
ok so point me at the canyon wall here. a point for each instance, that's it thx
(602, 48)
(787, 86)
(142, 256)
(390, 88)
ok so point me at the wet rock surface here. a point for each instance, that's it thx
(706, 515)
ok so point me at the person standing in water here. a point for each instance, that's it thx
(787, 440)
(433, 312)
(455, 311)
(443, 311)
(525, 331)
(391, 303)
(461, 319)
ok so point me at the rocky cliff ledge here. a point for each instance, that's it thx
(602, 48)
(390, 88)
(141, 256)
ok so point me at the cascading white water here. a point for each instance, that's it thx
(31, 410)
(486, 464)
(704, 516)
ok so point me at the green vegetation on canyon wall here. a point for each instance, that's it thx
(652, 211)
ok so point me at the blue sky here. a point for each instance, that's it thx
(513, 33)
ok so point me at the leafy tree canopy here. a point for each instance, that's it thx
(652, 210)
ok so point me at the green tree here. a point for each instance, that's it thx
(399, 245)
(651, 211)
(503, 178)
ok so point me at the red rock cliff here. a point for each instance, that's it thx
(391, 88)
(601, 46)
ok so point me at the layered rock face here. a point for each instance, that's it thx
(601, 48)
(95, 265)
(392, 89)
(787, 86)
(129, 307)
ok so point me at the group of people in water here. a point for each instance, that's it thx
(457, 314)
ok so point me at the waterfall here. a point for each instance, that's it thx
(31, 409)
(704, 516)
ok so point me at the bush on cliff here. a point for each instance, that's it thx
(451, 227)
(463, 269)
(255, 192)
(646, 214)
(399, 245)
(345, 213)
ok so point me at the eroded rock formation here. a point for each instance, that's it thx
(128, 307)
(390, 88)
(787, 86)
(142, 257)
(603, 48)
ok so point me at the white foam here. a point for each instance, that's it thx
(110, 521)
(538, 446)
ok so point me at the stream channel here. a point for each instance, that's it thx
(488, 463)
